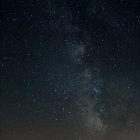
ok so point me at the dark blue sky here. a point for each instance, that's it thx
(70, 70)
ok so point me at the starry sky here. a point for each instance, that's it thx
(70, 70)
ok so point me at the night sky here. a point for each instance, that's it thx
(70, 70)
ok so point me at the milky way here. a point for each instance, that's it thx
(69, 70)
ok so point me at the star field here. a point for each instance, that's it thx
(70, 70)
